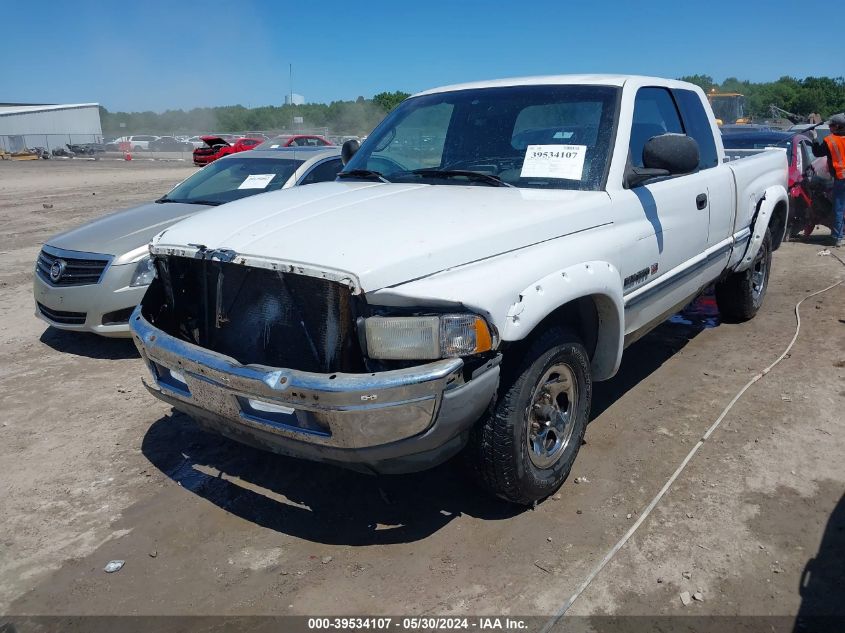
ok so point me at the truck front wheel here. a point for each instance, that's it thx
(524, 448)
(740, 295)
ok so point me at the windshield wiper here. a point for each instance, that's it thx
(363, 174)
(477, 176)
(209, 203)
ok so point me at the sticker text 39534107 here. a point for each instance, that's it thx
(554, 161)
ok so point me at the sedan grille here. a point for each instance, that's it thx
(58, 270)
(60, 316)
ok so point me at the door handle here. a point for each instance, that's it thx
(701, 201)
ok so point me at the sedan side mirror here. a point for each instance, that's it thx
(347, 151)
(665, 155)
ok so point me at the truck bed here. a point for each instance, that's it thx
(754, 171)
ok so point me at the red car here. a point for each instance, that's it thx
(216, 147)
(295, 140)
(804, 212)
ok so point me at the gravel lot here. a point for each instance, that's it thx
(96, 469)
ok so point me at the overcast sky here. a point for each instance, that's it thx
(157, 54)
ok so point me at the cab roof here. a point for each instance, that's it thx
(545, 80)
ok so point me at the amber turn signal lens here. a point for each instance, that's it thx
(483, 340)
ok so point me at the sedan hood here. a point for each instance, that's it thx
(122, 232)
(386, 234)
(211, 141)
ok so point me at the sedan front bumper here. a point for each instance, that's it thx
(387, 422)
(102, 308)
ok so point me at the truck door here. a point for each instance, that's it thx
(676, 214)
(720, 186)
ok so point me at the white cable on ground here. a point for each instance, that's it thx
(607, 558)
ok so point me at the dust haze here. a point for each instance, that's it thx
(353, 118)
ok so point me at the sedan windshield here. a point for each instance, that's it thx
(233, 178)
(555, 136)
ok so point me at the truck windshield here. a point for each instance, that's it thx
(545, 136)
(233, 178)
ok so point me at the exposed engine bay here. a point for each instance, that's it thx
(256, 316)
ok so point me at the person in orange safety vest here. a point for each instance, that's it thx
(833, 146)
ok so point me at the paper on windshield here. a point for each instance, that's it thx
(554, 161)
(257, 181)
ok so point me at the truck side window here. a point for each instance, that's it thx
(654, 114)
(698, 126)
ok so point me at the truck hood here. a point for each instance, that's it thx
(387, 234)
(122, 232)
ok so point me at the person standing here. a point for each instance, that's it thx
(833, 146)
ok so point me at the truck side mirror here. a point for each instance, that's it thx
(347, 151)
(676, 153)
(665, 155)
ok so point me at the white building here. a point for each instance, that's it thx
(295, 99)
(50, 126)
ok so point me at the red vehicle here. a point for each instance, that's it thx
(809, 204)
(295, 140)
(216, 147)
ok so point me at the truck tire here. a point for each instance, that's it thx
(523, 450)
(740, 295)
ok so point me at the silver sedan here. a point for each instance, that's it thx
(91, 278)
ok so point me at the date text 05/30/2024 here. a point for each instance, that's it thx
(417, 624)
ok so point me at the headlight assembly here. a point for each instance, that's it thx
(145, 272)
(427, 337)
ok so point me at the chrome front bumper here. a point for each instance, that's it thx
(337, 417)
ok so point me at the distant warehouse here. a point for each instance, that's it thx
(28, 125)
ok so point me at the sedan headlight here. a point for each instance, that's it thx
(427, 337)
(144, 273)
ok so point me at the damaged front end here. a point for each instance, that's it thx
(273, 356)
(255, 315)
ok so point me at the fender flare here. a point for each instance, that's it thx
(766, 206)
(597, 280)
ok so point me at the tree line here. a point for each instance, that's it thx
(822, 95)
(356, 117)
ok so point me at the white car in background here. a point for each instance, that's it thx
(137, 142)
(196, 141)
(91, 278)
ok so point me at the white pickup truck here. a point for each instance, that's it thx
(485, 255)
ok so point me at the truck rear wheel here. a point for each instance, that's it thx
(524, 448)
(740, 295)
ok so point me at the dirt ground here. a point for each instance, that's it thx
(94, 469)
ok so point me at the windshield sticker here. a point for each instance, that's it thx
(274, 146)
(257, 181)
(554, 161)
